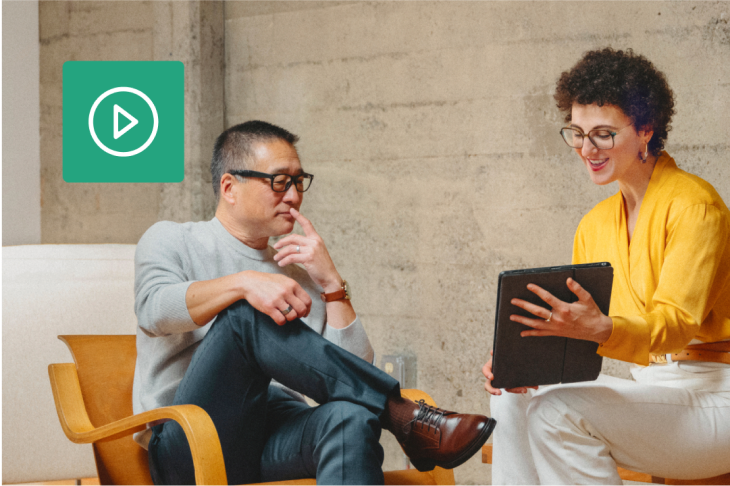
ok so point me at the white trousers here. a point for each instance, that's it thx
(673, 422)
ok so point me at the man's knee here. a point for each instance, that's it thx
(240, 311)
(347, 422)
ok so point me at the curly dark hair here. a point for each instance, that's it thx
(626, 80)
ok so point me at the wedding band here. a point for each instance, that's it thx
(548, 319)
(286, 311)
(297, 248)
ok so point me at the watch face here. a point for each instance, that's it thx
(346, 288)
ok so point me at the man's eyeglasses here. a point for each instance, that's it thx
(601, 138)
(279, 182)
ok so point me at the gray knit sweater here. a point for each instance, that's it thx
(169, 257)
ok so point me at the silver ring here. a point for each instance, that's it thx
(286, 311)
(297, 248)
(548, 319)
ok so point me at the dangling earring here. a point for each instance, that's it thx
(643, 157)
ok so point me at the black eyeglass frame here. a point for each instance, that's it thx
(588, 135)
(291, 179)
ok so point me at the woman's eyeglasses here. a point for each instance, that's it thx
(600, 138)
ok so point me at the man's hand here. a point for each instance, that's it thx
(272, 294)
(579, 320)
(269, 293)
(310, 251)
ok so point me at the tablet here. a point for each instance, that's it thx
(546, 360)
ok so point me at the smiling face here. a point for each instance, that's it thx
(615, 164)
(254, 210)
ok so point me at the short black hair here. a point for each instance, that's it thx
(624, 79)
(233, 148)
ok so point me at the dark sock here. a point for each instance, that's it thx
(399, 412)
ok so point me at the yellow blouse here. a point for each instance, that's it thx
(672, 283)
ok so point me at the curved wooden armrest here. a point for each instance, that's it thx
(197, 425)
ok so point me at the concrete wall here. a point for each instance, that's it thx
(432, 132)
(190, 32)
(21, 136)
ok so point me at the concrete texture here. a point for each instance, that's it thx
(433, 136)
(21, 173)
(190, 32)
(430, 127)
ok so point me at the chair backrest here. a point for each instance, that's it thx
(105, 365)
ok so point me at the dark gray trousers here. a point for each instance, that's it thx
(265, 434)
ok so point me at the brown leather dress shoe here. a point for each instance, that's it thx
(436, 437)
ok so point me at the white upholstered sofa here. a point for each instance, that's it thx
(49, 290)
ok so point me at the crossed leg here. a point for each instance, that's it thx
(229, 378)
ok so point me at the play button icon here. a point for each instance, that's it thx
(123, 122)
(117, 111)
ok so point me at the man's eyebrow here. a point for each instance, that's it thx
(285, 170)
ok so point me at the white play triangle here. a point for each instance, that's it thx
(133, 121)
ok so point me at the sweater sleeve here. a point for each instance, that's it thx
(160, 282)
(686, 291)
(352, 338)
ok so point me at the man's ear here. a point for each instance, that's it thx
(228, 188)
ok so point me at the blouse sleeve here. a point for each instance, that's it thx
(685, 294)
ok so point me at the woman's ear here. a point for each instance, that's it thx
(646, 133)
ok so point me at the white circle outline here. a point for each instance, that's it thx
(111, 92)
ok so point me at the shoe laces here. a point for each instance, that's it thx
(428, 416)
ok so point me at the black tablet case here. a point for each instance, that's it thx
(546, 360)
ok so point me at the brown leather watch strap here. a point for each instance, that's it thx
(333, 296)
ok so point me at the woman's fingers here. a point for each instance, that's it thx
(579, 291)
(546, 296)
(533, 323)
(487, 372)
(536, 310)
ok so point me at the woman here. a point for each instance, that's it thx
(666, 233)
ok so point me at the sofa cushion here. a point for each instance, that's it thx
(50, 290)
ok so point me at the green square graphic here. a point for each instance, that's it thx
(123, 121)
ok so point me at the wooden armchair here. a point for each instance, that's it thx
(94, 404)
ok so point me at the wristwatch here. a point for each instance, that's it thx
(342, 294)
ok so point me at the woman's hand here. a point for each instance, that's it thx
(487, 372)
(310, 251)
(579, 320)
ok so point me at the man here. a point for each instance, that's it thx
(221, 314)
